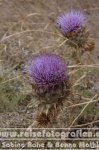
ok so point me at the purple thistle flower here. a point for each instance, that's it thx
(46, 70)
(70, 21)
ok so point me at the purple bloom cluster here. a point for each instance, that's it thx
(46, 70)
(70, 21)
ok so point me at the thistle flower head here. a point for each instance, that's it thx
(46, 70)
(70, 21)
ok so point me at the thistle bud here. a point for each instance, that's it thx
(47, 73)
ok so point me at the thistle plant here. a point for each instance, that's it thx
(73, 26)
(48, 76)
